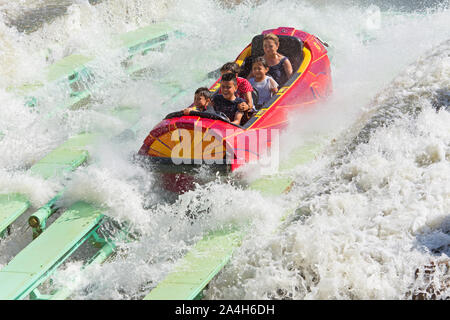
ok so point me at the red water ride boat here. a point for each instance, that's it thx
(210, 138)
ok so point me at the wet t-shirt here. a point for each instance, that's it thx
(228, 107)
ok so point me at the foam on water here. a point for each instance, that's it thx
(370, 218)
(363, 226)
(366, 225)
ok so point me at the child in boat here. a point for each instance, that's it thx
(227, 102)
(263, 83)
(244, 88)
(202, 99)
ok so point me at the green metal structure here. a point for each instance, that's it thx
(11, 207)
(36, 262)
(65, 158)
(73, 75)
(55, 243)
(73, 70)
(198, 267)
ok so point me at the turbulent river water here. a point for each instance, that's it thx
(372, 211)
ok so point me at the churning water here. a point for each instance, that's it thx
(371, 212)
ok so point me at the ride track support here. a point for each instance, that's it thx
(53, 245)
(73, 71)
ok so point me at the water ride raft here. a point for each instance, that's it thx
(209, 138)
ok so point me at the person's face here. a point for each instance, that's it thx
(228, 89)
(200, 101)
(270, 47)
(259, 71)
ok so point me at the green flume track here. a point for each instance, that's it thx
(53, 245)
(68, 156)
(42, 256)
(11, 207)
(22, 276)
(73, 72)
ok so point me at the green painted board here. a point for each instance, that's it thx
(128, 114)
(48, 170)
(271, 185)
(66, 157)
(277, 184)
(34, 264)
(138, 37)
(212, 253)
(198, 267)
(66, 66)
(63, 155)
(133, 40)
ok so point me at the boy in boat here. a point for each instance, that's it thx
(227, 102)
(263, 83)
(244, 88)
(202, 99)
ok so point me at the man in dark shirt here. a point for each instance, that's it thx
(227, 102)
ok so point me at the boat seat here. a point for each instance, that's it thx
(291, 47)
